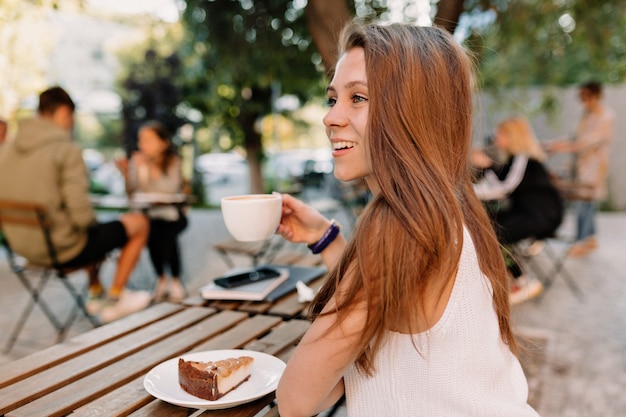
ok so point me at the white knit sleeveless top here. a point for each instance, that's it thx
(462, 368)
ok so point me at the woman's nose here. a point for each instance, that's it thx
(334, 117)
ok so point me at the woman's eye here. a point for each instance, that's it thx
(330, 101)
(358, 99)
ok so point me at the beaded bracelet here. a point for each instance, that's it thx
(331, 233)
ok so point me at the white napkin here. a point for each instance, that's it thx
(305, 293)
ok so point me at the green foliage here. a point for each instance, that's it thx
(150, 83)
(556, 42)
(98, 131)
(236, 51)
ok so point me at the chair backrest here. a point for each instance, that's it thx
(32, 215)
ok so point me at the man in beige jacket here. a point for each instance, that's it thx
(43, 165)
(3, 131)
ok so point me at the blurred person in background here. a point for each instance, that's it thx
(43, 165)
(3, 131)
(590, 146)
(156, 168)
(529, 205)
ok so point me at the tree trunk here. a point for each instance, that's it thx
(448, 14)
(325, 18)
(254, 152)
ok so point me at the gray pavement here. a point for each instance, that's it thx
(585, 360)
(579, 365)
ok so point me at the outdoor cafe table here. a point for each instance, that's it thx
(101, 372)
(140, 201)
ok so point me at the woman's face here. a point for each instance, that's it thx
(588, 99)
(150, 144)
(347, 118)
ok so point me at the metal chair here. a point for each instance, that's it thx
(555, 249)
(19, 214)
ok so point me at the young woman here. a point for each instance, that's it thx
(414, 316)
(155, 168)
(534, 207)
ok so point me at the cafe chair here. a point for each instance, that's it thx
(34, 277)
(546, 256)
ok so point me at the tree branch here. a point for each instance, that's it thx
(325, 18)
(448, 13)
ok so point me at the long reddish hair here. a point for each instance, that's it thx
(407, 240)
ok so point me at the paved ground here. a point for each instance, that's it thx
(576, 367)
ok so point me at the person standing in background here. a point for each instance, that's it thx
(590, 146)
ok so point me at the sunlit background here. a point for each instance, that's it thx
(530, 57)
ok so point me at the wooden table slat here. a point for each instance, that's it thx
(282, 337)
(22, 368)
(131, 400)
(224, 304)
(158, 408)
(92, 386)
(64, 373)
(240, 335)
(120, 402)
(289, 306)
(255, 307)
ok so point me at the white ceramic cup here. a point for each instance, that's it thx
(252, 217)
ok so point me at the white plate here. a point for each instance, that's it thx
(162, 380)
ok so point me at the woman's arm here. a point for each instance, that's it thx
(492, 188)
(313, 379)
(480, 159)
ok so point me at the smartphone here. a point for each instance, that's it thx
(247, 277)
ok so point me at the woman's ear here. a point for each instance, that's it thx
(63, 117)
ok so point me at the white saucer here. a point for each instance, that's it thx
(162, 380)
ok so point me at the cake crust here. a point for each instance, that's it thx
(213, 380)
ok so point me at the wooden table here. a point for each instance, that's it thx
(100, 373)
(575, 190)
(140, 201)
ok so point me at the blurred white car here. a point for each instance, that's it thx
(302, 165)
(222, 168)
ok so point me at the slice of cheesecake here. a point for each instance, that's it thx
(213, 380)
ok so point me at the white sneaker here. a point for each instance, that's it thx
(524, 288)
(95, 306)
(177, 291)
(536, 247)
(128, 303)
(161, 290)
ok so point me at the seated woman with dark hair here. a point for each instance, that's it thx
(156, 168)
(533, 206)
